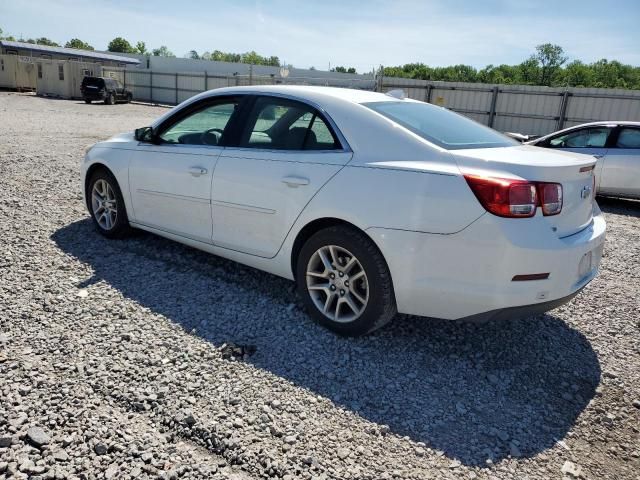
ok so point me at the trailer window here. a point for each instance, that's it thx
(39, 70)
(61, 72)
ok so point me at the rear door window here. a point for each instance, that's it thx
(281, 124)
(628, 138)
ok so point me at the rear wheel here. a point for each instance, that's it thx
(344, 281)
(129, 98)
(106, 205)
(87, 101)
(110, 100)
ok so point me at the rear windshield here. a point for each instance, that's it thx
(93, 81)
(441, 126)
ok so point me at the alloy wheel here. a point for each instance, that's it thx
(103, 204)
(337, 283)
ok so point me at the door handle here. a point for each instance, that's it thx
(197, 171)
(295, 182)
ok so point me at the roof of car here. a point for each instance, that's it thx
(310, 92)
(324, 97)
(607, 122)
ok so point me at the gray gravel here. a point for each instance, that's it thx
(142, 358)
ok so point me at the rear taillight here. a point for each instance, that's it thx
(516, 198)
(550, 198)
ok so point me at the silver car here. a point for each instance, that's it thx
(616, 145)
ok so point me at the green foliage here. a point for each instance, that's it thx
(546, 67)
(120, 45)
(550, 58)
(46, 41)
(163, 52)
(77, 43)
(141, 48)
(193, 55)
(344, 70)
(251, 57)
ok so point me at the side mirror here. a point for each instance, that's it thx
(146, 134)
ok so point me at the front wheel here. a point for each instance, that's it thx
(106, 205)
(110, 100)
(344, 281)
(87, 101)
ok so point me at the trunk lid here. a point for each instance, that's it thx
(574, 171)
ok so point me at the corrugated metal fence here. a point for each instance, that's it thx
(523, 108)
(171, 88)
(508, 108)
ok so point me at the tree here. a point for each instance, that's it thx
(351, 70)
(163, 51)
(120, 45)
(193, 55)
(46, 41)
(577, 74)
(550, 57)
(10, 38)
(77, 43)
(141, 48)
(528, 72)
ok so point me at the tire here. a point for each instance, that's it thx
(87, 101)
(110, 100)
(129, 98)
(376, 288)
(107, 223)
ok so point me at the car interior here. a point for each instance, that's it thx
(272, 127)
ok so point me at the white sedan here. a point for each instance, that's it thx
(372, 204)
(616, 145)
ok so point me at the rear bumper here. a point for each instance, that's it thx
(468, 275)
(90, 95)
(523, 311)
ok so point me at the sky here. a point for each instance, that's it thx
(362, 34)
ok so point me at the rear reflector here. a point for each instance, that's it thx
(587, 169)
(530, 276)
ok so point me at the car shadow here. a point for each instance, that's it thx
(619, 206)
(473, 391)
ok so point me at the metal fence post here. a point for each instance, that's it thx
(151, 86)
(563, 110)
(250, 74)
(176, 88)
(492, 109)
(428, 96)
(206, 81)
(124, 78)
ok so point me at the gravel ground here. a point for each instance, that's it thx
(144, 358)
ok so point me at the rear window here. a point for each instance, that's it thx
(441, 126)
(93, 81)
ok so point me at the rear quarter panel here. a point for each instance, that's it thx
(397, 198)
